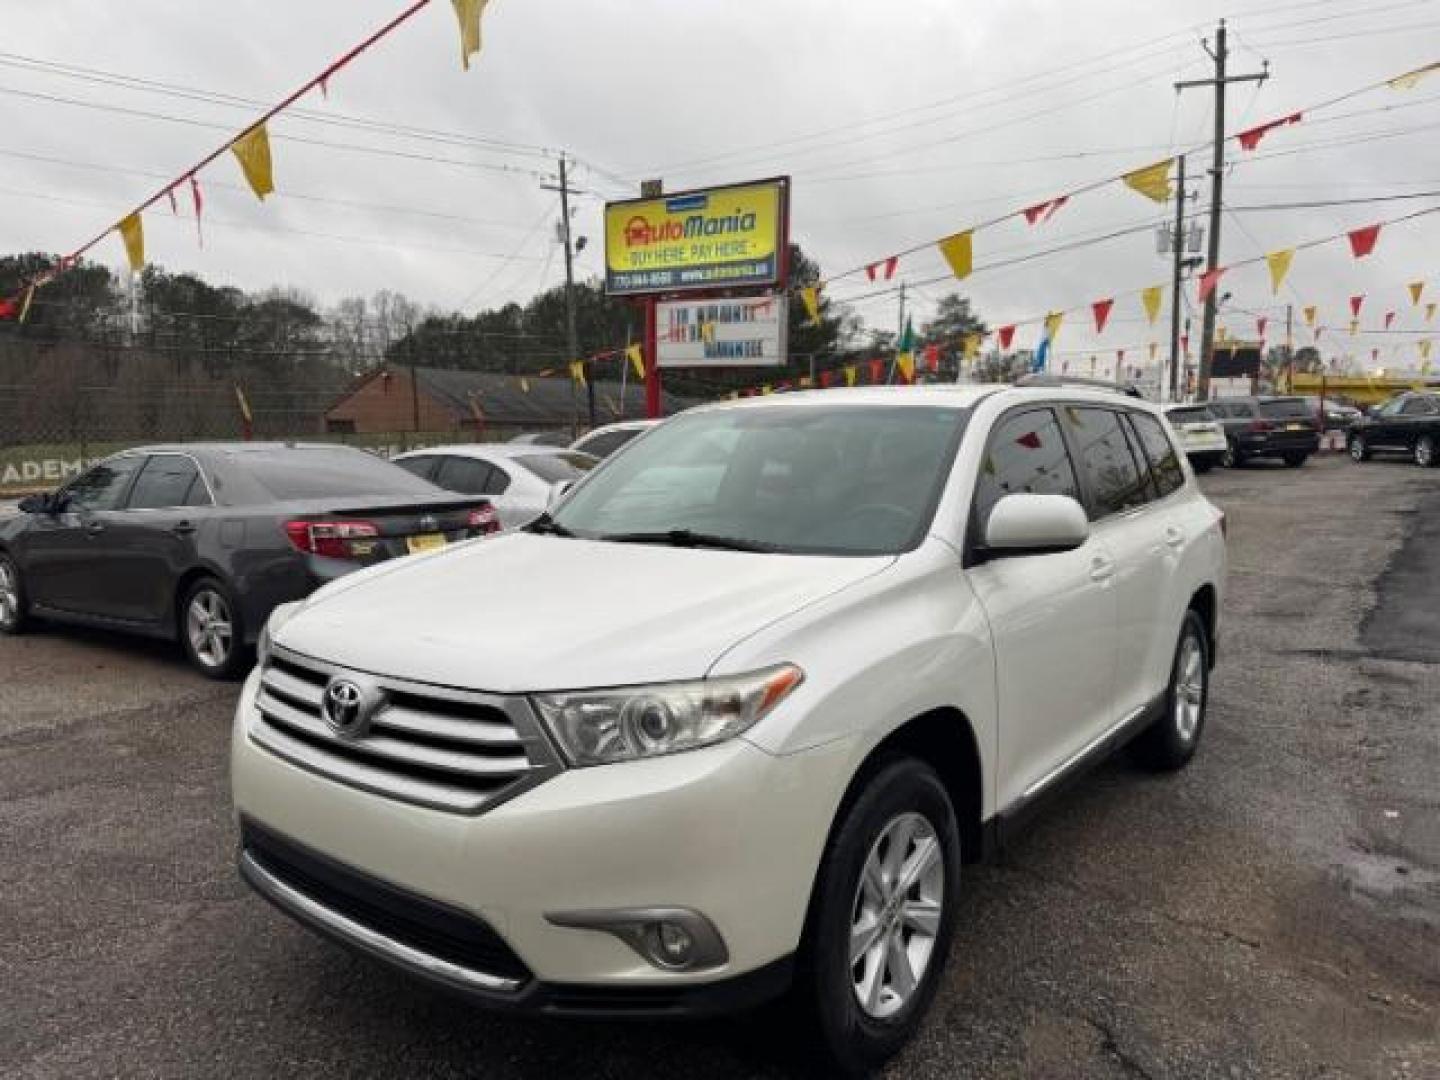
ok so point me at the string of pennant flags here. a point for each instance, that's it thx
(250, 149)
(1153, 181)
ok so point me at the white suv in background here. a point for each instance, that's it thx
(730, 718)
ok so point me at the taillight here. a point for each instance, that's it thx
(333, 539)
(1261, 425)
(483, 519)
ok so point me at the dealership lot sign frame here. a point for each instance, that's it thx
(735, 236)
(738, 331)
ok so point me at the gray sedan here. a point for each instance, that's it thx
(200, 541)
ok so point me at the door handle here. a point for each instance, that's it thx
(182, 528)
(1174, 536)
(1101, 569)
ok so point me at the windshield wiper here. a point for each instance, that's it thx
(548, 526)
(688, 538)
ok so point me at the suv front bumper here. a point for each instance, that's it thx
(730, 831)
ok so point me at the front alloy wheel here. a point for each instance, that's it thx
(1358, 450)
(1425, 451)
(882, 915)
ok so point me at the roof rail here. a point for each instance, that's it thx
(1128, 389)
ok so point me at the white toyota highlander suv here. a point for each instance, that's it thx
(731, 718)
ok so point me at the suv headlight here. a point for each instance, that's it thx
(596, 727)
(282, 614)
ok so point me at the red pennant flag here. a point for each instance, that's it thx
(877, 371)
(883, 270)
(1362, 241)
(1006, 334)
(1030, 440)
(1355, 302)
(199, 201)
(825, 377)
(1260, 325)
(1044, 211)
(1250, 139)
(932, 357)
(1389, 318)
(1101, 308)
(1208, 281)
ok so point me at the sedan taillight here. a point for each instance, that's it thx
(332, 539)
(483, 519)
(1261, 425)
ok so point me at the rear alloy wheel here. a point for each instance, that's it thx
(1170, 742)
(882, 917)
(1425, 452)
(1359, 451)
(1232, 458)
(13, 616)
(210, 630)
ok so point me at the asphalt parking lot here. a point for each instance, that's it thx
(1272, 911)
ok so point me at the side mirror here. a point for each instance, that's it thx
(558, 491)
(1025, 524)
(37, 504)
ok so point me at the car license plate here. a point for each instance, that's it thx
(1298, 427)
(425, 542)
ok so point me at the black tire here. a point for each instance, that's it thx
(1359, 448)
(1295, 460)
(14, 613)
(1426, 455)
(854, 1041)
(215, 663)
(1169, 743)
(1232, 458)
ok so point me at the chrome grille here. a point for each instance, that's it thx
(438, 746)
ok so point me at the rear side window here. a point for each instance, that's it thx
(469, 476)
(1160, 453)
(423, 467)
(1285, 407)
(1114, 481)
(1025, 453)
(168, 480)
(606, 444)
(1417, 406)
(302, 473)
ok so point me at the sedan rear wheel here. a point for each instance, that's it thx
(12, 598)
(1425, 452)
(210, 630)
(1359, 451)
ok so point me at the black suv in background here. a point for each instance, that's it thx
(1406, 424)
(1266, 427)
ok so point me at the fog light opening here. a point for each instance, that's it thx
(672, 939)
(673, 945)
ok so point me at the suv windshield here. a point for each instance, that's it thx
(849, 480)
(1284, 407)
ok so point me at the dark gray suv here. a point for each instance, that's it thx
(1266, 427)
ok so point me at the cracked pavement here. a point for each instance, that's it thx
(1273, 911)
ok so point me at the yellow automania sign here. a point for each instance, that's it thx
(722, 237)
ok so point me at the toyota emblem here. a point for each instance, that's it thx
(347, 708)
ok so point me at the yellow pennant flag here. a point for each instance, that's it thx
(1309, 314)
(25, 304)
(1151, 299)
(1052, 325)
(252, 150)
(1416, 288)
(810, 296)
(133, 233)
(1153, 181)
(1429, 312)
(1279, 263)
(905, 364)
(971, 346)
(1411, 79)
(1354, 327)
(959, 253)
(851, 374)
(577, 371)
(469, 12)
(1425, 349)
(765, 389)
(637, 360)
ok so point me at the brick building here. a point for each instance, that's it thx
(478, 404)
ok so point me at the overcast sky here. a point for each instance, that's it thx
(899, 122)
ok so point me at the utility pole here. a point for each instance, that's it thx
(899, 333)
(1177, 241)
(1289, 348)
(1217, 179)
(571, 337)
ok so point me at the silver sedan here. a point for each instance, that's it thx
(520, 480)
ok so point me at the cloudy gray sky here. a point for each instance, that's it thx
(898, 121)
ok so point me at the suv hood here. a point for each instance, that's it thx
(520, 612)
